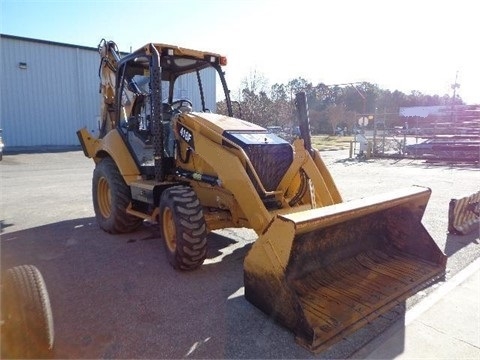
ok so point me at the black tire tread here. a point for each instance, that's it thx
(190, 225)
(120, 221)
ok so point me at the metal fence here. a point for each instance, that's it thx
(452, 135)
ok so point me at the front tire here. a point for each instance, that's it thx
(27, 331)
(183, 228)
(111, 198)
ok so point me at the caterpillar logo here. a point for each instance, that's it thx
(186, 135)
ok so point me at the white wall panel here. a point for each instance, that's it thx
(56, 94)
(187, 87)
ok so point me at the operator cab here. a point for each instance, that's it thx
(143, 80)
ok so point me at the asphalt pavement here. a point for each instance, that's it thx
(115, 296)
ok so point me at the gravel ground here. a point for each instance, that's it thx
(117, 297)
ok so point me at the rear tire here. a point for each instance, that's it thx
(28, 322)
(111, 197)
(183, 228)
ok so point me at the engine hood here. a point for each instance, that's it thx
(222, 123)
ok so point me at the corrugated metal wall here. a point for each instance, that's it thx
(186, 86)
(45, 103)
(48, 91)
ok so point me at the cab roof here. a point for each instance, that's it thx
(174, 60)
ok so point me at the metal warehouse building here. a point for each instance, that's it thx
(49, 90)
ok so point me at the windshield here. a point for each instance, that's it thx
(182, 78)
(199, 89)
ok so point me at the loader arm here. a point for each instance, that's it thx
(210, 141)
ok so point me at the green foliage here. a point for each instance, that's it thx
(330, 107)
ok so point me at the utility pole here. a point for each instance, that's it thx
(454, 87)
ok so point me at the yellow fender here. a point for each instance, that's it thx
(113, 145)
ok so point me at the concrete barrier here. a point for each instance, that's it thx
(464, 214)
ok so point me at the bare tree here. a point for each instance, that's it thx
(255, 82)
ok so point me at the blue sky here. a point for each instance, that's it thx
(405, 45)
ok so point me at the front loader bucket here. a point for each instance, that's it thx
(326, 272)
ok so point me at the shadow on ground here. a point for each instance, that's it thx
(117, 297)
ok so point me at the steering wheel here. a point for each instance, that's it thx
(182, 105)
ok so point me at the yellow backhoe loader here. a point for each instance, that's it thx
(321, 266)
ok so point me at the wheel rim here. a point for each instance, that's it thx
(169, 232)
(104, 197)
